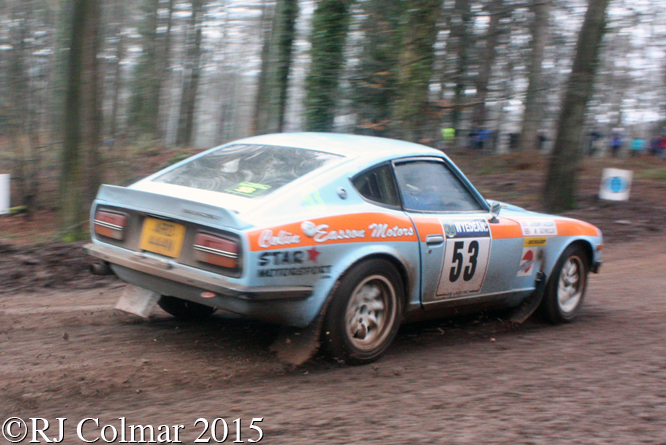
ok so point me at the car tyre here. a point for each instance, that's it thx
(184, 309)
(365, 312)
(567, 285)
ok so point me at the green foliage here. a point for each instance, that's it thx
(175, 159)
(373, 82)
(144, 145)
(70, 238)
(271, 99)
(329, 33)
(655, 174)
(145, 91)
(415, 68)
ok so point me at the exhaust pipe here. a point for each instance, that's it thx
(101, 269)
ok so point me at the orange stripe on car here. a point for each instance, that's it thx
(505, 228)
(353, 228)
(428, 226)
(567, 227)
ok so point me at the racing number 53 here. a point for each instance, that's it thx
(464, 268)
(458, 260)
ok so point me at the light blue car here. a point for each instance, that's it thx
(353, 233)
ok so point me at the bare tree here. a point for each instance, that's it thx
(559, 190)
(271, 99)
(415, 69)
(460, 45)
(192, 74)
(82, 123)
(144, 102)
(487, 61)
(329, 34)
(532, 115)
(374, 79)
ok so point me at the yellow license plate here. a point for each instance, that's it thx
(163, 237)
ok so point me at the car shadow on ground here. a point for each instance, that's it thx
(231, 341)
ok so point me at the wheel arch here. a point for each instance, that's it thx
(587, 248)
(409, 280)
(554, 256)
(402, 269)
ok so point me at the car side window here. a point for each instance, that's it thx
(429, 186)
(377, 185)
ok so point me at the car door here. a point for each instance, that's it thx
(454, 228)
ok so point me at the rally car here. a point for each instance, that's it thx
(355, 233)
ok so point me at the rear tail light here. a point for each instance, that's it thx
(216, 250)
(110, 224)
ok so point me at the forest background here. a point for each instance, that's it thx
(96, 91)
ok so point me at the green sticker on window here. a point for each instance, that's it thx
(248, 189)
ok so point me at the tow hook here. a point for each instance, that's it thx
(101, 268)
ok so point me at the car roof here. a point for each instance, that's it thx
(347, 145)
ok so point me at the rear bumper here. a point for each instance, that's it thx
(176, 273)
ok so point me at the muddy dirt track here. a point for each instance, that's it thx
(600, 380)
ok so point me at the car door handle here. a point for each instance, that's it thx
(432, 240)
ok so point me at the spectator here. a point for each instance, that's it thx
(662, 144)
(595, 136)
(654, 145)
(637, 145)
(616, 143)
(513, 140)
(542, 140)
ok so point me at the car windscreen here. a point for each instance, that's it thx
(247, 169)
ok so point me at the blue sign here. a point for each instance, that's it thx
(617, 184)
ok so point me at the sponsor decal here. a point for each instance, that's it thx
(278, 258)
(527, 262)
(313, 254)
(321, 233)
(352, 228)
(466, 228)
(289, 258)
(283, 238)
(282, 258)
(537, 227)
(450, 230)
(249, 189)
(535, 242)
(383, 231)
(293, 271)
(464, 267)
(313, 199)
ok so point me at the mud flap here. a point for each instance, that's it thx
(295, 346)
(524, 311)
(138, 301)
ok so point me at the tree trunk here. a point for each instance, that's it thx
(374, 88)
(559, 190)
(192, 76)
(163, 72)
(415, 69)
(227, 83)
(19, 91)
(529, 135)
(116, 68)
(487, 62)
(81, 124)
(329, 33)
(144, 101)
(93, 94)
(460, 36)
(276, 63)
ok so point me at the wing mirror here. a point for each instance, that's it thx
(495, 211)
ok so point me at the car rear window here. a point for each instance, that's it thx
(247, 170)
